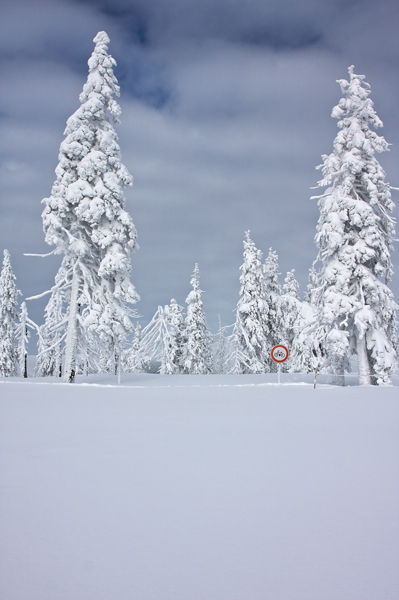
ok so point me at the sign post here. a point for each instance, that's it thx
(279, 354)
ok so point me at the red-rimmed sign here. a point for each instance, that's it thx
(279, 353)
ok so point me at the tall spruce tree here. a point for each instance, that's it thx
(250, 334)
(197, 349)
(8, 319)
(355, 308)
(85, 219)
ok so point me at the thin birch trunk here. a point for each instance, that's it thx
(71, 341)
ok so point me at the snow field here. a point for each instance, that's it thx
(198, 488)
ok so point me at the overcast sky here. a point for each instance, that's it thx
(226, 110)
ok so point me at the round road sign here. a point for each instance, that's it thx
(279, 353)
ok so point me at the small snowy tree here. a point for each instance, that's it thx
(312, 285)
(163, 337)
(23, 335)
(275, 324)
(8, 319)
(176, 327)
(307, 350)
(355, 308)
(51, 336)
(85, 219)
(135, 360)
(250, 334)
(197, 351)
(221, 358)
(290, 307)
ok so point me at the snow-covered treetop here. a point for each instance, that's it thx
(358, 200)
(251, 278)
(8, 290)
(356, 141)
(101, 79)
(90, 174)
(291, 286)
(271, 273)
(196, 292)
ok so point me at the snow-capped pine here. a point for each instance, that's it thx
(197, 349)
(85, 217)
(250, 334)
(135, 360)
(52, 335)
(162, 339)
(176, 325)
(356, 310)
(8, 319)
(290, 307)
(222, 355)
(275, 320)
(23, 336)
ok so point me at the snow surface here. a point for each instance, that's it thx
(212, 487)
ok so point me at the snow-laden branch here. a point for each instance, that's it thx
(40, 255)
(52, 346)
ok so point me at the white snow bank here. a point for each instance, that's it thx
(214, 489)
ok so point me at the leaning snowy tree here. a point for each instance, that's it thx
(8, 319)
(356, 309)
(197, 349)
(85, 219)
(250, 334)
(162, 339)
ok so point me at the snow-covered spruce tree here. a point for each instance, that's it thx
(52, 334)
(135, 360)
(275, 321)
(221, 358)
(85, 218)
(162, 339)
(356, 309)
(8, 319)
(312, 285)
(197, 349)
(290, 307)
(177, 330)
(250, 334)
(23, 335)
(306, 352)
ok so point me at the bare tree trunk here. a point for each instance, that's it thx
(72, 331)
(363, 361)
